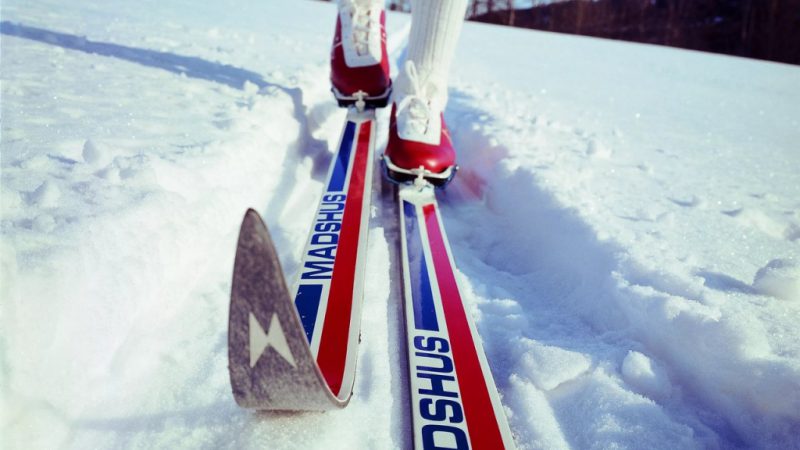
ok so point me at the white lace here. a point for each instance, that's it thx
(419, 104)
(362, 27)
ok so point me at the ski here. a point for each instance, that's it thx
(296, 350)
(455, 403)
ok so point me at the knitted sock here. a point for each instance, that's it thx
(435, 29)
(380, 4)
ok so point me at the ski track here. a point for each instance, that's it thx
(125, 345)
(539, 305)
(571, 301)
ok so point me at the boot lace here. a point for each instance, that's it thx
(362, 26)
(416, 105)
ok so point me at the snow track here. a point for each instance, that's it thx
(541, 283)
(625, 224)
(581, 322)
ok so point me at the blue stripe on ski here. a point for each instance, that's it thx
(307, 304)
(339, 175)
(421, 293)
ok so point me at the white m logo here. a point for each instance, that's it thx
(259, 340)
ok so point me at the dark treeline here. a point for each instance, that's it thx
(764, 29)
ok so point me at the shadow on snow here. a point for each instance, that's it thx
(190, 66)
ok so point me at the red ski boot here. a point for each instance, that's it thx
(419, 148)
(359, 62)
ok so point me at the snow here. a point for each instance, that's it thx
(780, 278)
(646, 377)
(625, 223)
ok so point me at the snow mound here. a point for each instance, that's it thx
(94, 154)
(645, 375)
(780, 278)
(549, 367)
(46, 195)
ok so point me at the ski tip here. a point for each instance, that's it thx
(257, 286)
(252, 225)
(269, 360)
(252, 215)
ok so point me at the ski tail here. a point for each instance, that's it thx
(454, 397)
(296, 349)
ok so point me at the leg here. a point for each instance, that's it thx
(435, 29)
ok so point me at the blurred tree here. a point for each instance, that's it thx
(505, 7)
(767, 29)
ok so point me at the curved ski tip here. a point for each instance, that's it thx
(252, 221)
(251, 214)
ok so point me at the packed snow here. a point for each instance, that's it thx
(626, 224)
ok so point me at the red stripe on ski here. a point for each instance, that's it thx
(484, 430)
(336, 327)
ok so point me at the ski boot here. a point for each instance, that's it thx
(419, 149)
(359, 62)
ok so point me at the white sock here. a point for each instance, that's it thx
(435, 29)
(377, 4)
